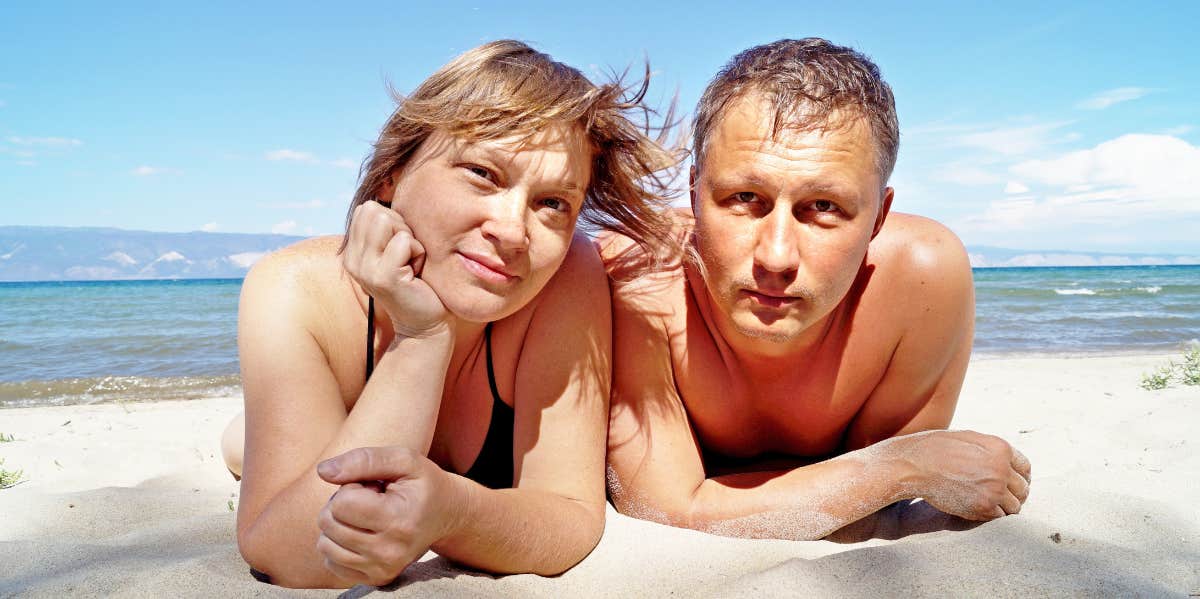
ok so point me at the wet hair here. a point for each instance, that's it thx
(813, 85)
(506, 88)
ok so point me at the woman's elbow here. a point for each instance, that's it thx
(270, 563)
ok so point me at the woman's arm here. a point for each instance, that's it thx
(296, 416)
(555, 515)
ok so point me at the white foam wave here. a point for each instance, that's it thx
(1083, 291)
(1150, 289)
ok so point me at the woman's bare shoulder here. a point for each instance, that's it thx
(305, 280)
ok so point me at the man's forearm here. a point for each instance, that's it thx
(804, 503)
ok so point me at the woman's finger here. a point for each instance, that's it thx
(347, 558)
(359, 506)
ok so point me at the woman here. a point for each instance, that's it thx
(481, 319)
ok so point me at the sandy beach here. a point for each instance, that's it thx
(131, 499)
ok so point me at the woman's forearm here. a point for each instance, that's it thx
(520, 530)
(398, 407)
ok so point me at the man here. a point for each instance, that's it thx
(787, 373)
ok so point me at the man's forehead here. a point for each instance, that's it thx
(753, 117)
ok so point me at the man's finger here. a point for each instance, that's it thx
(1010, 504)
(1018, 486)
(368, 463)
(1021, 464)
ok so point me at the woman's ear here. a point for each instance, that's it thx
(387, 190)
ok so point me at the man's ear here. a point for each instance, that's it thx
(884, 208)
(692, 186)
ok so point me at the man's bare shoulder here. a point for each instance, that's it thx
(633, 266)
(914, 246)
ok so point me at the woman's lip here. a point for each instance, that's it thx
(484, 270)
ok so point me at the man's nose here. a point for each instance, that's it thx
(777, 248)
(505, 224)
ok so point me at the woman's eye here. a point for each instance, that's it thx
(555, 204)
(479, 171)
(745, 197)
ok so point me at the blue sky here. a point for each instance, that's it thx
(1023, 126)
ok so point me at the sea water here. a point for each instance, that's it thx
(86, 342)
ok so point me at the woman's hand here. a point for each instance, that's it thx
(370, 536)
(383, 256)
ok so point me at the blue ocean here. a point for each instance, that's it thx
(102, 341)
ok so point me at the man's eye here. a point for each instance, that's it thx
(824, 206)
(745, 197)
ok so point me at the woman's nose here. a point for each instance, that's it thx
(505, 226)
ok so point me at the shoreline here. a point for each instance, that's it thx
(112, 389)
(133, 499)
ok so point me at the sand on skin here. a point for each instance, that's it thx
(133, 500)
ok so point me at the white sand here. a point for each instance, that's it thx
(132, 500)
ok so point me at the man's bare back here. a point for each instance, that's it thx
(803, 322)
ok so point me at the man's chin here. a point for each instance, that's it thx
(781, 330)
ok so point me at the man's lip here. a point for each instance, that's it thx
(490, 263)
(771, 299)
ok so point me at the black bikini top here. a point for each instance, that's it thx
(493, 467)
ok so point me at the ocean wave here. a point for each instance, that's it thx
(1081, 291)
(110, 389)
(1150, 289)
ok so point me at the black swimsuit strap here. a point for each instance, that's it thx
(370, 336)
(487, 334)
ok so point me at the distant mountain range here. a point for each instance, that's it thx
(992, 257)
(87, 253)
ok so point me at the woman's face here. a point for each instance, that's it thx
(495, 217)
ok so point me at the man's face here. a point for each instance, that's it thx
(782, 225)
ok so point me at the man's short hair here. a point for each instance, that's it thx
(813, 85)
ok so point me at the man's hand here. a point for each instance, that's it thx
(383, 256)
(370, 535)
(964, 473)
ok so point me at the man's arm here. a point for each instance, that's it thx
(657, 472)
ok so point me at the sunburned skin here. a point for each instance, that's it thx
(818, 325)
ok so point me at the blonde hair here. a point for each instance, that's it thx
(506, 88)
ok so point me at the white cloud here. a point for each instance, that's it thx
(150, 171)
(26, 163)
(1015, 187)
(344, 163)
(1147, 166)
(1012, 141)
(246, 259)
(209, 227)
(120, 258)
(1119, 183)
(284, 227)
(291, 155)
(1110, 97)
(53, 142)
(1178, 131)
(965, 174)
